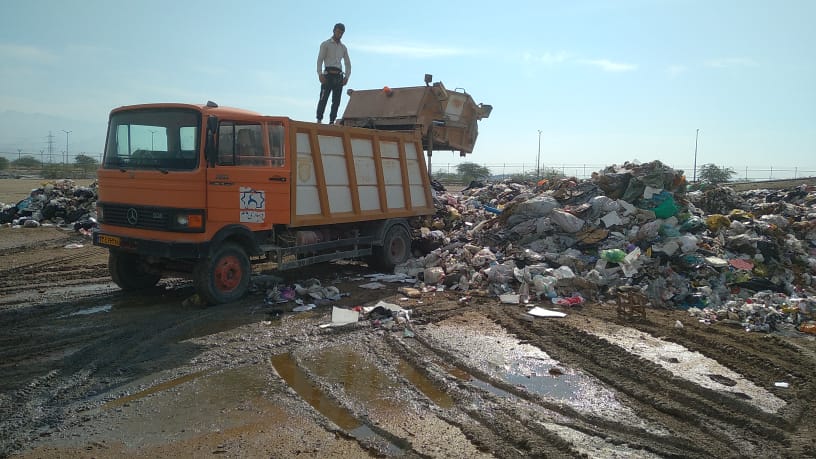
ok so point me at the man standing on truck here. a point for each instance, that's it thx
(330, 72)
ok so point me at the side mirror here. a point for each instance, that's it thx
(211, 146)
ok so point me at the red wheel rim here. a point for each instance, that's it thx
(228, 273)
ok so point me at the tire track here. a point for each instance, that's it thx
(429, 358)
(655, 392)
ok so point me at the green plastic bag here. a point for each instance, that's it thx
(613, 255)
(666, 208)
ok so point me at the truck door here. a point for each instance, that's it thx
(250, 182)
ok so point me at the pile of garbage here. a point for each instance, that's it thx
(59, 202)
(747, 257)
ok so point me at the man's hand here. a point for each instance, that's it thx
(322, 78)
(345, 81)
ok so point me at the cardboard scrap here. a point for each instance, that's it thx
(410, 292)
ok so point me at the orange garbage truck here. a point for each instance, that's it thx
(208, 191)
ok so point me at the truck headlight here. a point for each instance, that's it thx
(188, 220)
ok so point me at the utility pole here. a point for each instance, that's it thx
(19, 154)
(50, 147)
(66, 144)
(538, 158)
(695, 155)
(152, 145)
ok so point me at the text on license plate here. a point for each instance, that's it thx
(109, 240)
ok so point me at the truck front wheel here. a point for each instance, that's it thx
(128, 272)
(224, 276)
(396, 249)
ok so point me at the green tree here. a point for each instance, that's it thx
(86, 162)
(552, 174)
(472, 171)
(526, 176)
(4, 163)
(444, 176)
(711, 173)
(26, 162)
(56, 171)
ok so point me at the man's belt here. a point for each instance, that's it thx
(333, 70)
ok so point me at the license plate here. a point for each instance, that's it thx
(109, 240)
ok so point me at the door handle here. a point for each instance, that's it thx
(277, 179)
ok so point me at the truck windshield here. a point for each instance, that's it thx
(159, 139)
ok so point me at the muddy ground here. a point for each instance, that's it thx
(87, 371)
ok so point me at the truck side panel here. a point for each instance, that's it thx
(345, 174)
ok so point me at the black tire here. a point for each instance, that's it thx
(128, 273)
(396, 249)
(224, 276)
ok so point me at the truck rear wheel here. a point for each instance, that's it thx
(396, 249)
(224, 276)
(128, 273)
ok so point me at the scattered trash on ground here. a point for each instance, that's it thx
(60, 203)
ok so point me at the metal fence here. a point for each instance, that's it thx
(580, 171)
(584, 171)
(45, 158)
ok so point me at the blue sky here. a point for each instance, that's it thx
(604, 81)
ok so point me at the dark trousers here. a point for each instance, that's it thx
(333, 85)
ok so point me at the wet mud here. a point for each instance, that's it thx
(87, 371)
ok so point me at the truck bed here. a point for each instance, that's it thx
(345, 174)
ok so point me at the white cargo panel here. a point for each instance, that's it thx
(348, 174)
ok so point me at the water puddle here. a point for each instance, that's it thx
(486, 386)
(94, 310)
(683, 363)
(543, 378)
(395, 411)
(456, 372)
(484, 345)
(206, 404)
(297, 379)
(154, 389)
(425, 385)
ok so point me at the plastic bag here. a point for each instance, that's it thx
(715, 222)
(666, 207)
(613, 255)
(544, 285)
(567, 222)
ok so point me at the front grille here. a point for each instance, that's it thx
(154, 218)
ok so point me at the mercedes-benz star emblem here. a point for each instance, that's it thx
(132, 216)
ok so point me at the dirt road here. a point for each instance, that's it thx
(86, 371)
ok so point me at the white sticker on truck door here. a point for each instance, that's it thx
(252, 205)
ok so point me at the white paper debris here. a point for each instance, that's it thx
(373, 286)
(541, 312)
(509, 298)
(342, 316)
